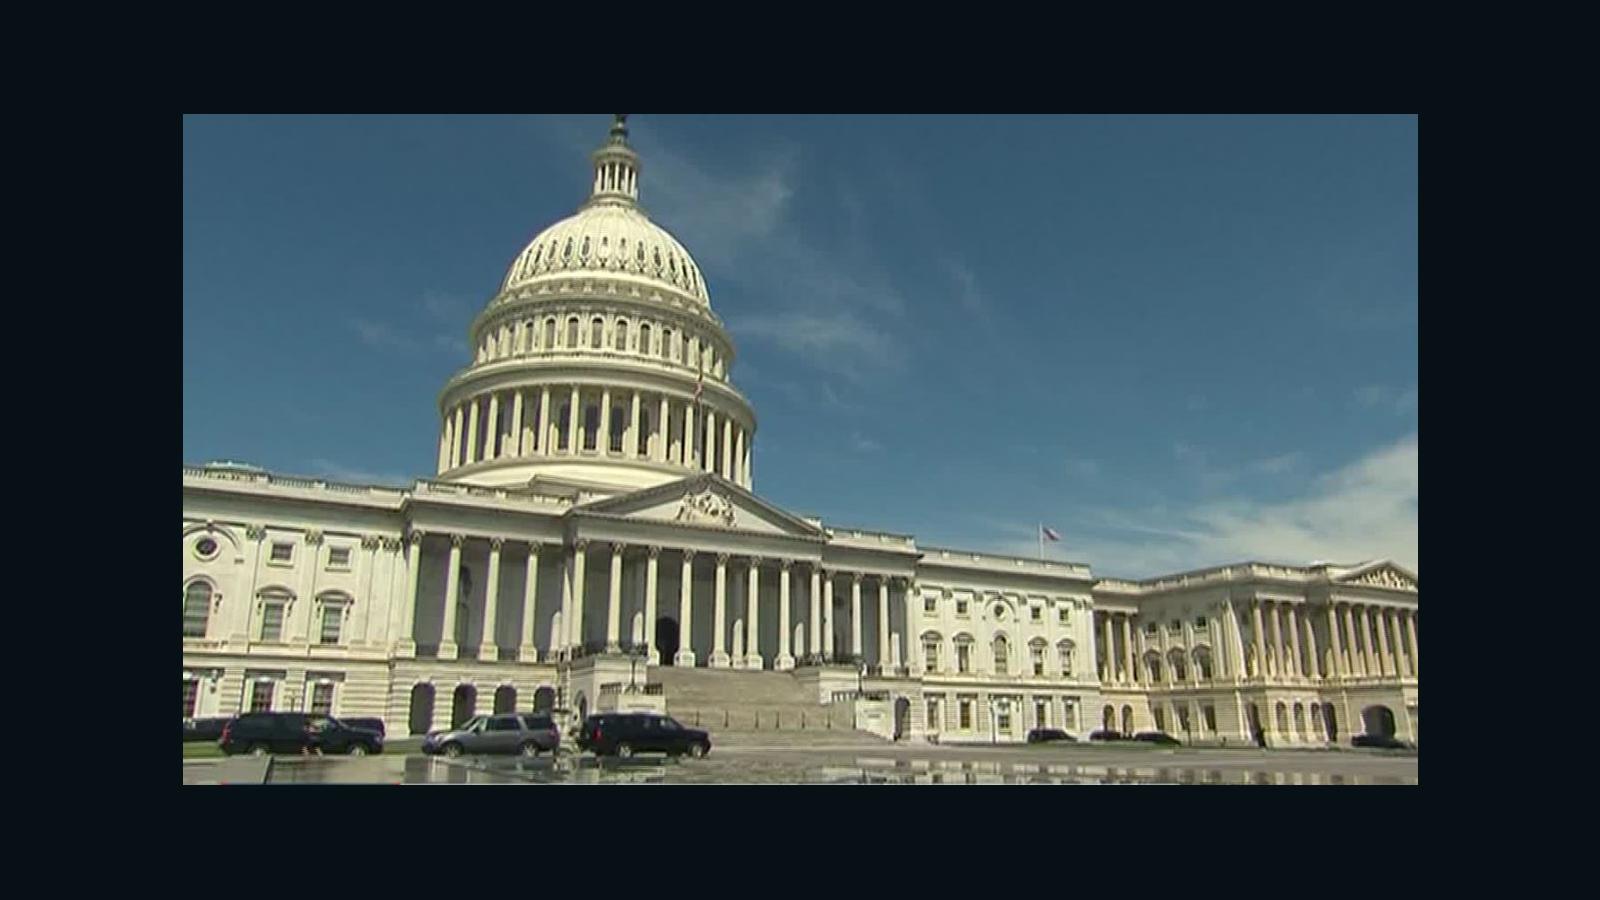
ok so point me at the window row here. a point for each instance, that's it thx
(1175, 626)
(557, 254)
(201, 600)
(963, 606)
(617, 333)
(1004, 715)
(999, 655)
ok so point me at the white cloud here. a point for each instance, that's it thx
(864, 444)
(1365, 510)
(381, 336)
(854, 349)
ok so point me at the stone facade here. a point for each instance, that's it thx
(593, 516)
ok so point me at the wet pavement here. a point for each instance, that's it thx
(891, 765)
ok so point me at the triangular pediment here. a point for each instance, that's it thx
(707, 501)
(1383, 574)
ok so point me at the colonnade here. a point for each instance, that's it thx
(1200, 648)
(557, 421)
(1361, 640)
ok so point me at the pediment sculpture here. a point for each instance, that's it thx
(1388, 578)
(706, 507)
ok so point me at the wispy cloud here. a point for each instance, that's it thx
(1384, 397)
(330, 469)
(1364, 510)
(382, 336)
(857, 350)
(1213, 475)
(434, 325)
(863, 444)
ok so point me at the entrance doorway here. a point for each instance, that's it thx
(462, 704)
(544, 700)
(1378, 721)
(666, 639)
(1257, 733)
(505, 699)
(902, 718)
(421, 718)
(1329, 721)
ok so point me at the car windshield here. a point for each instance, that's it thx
(473, 724)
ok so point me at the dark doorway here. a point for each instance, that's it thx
(666, 639)
(902, 718)
(544, 700)
(505, 699)
(1256, 733)
(1329, 721)
(421, 719)
(583, 707)
(1378, 721)
(464, 702)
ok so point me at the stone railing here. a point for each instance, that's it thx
(880, 538)
(996, 561)
(290, 481)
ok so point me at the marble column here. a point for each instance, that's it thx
(814, 646)
(752, 604)
(614, 602)
(488, 647)
(1108, 655)
(1294, 642)
(580, 558)
(491, 429)
(827, 614)
(1386, 662)
(452, 592)
(663, 431)
(1411, 641)
(518, 442)
(1401, 669)
(472, 432)
(913, 640)
(1338, 667)
(719, 639)
(547, 428)
(1368, 651)
(884, 657)
(602, 437)
(444, 446)
(685, 654)
(687, 449)
(738, 457)
(1354, 665)
(855, 616)
(727, 447)
(1127, 648)
(1311, 646)
(1277, 669)
(633, 429)
(528, 651)
(574, 435)
(457, 452)
(708, 455)
(1258, 643)
(650, 585)
(407, 645)
(785, 660)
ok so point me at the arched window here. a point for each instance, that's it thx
(1152, 665)
(527, 336)
(572, 332)
(591, 427)
(1036, 657)
(549, 333)
(597, 332)
(564, 416)
(963, 653)
(644, 433)
(1180, 669)
(644, 340)
(1202, 662)
(196, 609)
(619, 424)
(331, 615)
(667, 343)
(1064, 653)
(930, 650)
(622, 334)
(274, 608)
(1002, 655)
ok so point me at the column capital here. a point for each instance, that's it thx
(688, 554)
(456, 540)
(391, 543)
(654, 550)
(313, 536)
(784, 565)
(618, 548)
(757, 562)
(369, 541)
(496, 543)
(255, 532)
(722, 558)
(534, 547)
(855, 578)
(414, 536)
(581, 544)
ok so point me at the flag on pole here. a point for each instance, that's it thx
(1048, 533)
(699, 386)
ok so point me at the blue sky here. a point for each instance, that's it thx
(1179, 341)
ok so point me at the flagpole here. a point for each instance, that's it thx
(1041, 542)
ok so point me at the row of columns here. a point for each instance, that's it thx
(519, 423)
(1278, 649)
(605, 333)
(1124, 663)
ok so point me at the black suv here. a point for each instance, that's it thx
(209, 729)
(625, 734)
(1381, 741)
(367, 724)
(1104, 734)
(1046, 735)
(1159, 738)
(289, 732)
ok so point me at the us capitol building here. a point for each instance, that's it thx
(594, 524)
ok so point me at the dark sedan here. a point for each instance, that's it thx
(1105, 734)
(1383, 742)
(208, 729)
(1159, 738)
(1049, 735)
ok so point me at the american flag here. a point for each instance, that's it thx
(699, 386)
(1049, 533)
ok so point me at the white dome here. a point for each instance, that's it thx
(611, 238)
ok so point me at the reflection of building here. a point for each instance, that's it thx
(595, 495)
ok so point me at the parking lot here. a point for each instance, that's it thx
(846, 765)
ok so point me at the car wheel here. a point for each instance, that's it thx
(625, 750)
(697, 750)
(452, 750)
(530, 749)
(358, 749)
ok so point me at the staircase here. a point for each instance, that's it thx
(747, 709)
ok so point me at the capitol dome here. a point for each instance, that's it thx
(599, 361)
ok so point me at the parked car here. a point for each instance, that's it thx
(1378, 740)
(291, 732)
(368, 724)
(1160, 738)
(1105, 734)
(529, 734)
(624, 734)
(1047, 735)
(207, 729)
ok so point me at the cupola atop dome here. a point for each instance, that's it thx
(616, 168)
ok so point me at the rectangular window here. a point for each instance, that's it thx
(930, 655)
(961, 608)
(1209, 713)
(195, 612)
(1066, 661)
(963, 658)
(1200, 624)
(1040, 713)
(338, 557)
(1038, 660)
(261, 696)
(1175, 626)
(1063, 615)
(191, 696)
(933, 715)
(1038, 614)
(1151, 628)
(1004, 720)
(322, 699)
(332, 617)
(966, 714)
(272, 622)
(930, 605)
(282, 551)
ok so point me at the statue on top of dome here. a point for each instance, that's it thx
(619, 128)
